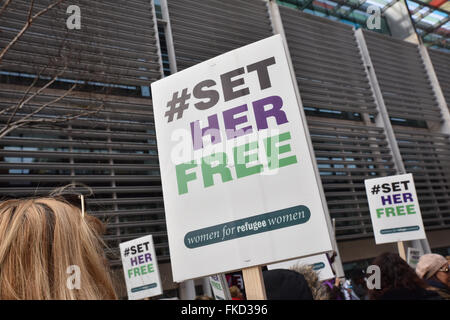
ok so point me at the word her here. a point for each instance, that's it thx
(143, 258)
(240, 162)
(236, 117)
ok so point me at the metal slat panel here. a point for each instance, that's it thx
(327, 63)
(403, 81)
(346, 154)
(204, 29)
(427, 156)
(113, 151)
(116, 42)
(441, 65)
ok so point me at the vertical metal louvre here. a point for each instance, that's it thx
(441, 65)
(346, 155)
(411, 102)
(116, 42)
(401, 75)
(204, 29)
(427, 156)
(327, 62)
(111, 149)
(332, 80)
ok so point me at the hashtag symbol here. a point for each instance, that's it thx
(177, 105)
(127, 252)
(376, 189)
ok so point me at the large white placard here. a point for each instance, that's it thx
(394, 209)
(319, 263)
(140, 268)
(238, 180)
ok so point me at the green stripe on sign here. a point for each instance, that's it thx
(249, 226)
(402, 229)
(146, 287)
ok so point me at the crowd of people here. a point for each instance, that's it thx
(430, 280)
(41, 237)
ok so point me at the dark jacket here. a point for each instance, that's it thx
(408, 294)
(439, 288)
(282, 284)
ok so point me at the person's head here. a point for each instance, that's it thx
(319, 292)
(395, 273)
(282, 284)
(357, 277)
(41, 240)
(204, 297)
(434, 266)
(235, 292)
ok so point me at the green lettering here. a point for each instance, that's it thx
(379, 212)
(410, 209)
(143, 270)
(390, 211)
(209, 171)
(273, 151)
(241, 160)
(183, 178)
(400, 210)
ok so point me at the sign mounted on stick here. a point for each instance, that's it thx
(319, 263)
(413, 257)
(237, 175)
(140, 268)
(220, 287)
(394, 209)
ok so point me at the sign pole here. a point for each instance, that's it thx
(254, 283)
(401, 250)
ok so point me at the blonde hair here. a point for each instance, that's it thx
(40, 239)
(319, 292)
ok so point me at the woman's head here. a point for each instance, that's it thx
(40, 239)
(395, 273)
(434, 266)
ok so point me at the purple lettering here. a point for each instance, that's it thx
(261, 114)
(407, 196)
(385, 200)
(231, 122)
(212, 130)
(134, 261)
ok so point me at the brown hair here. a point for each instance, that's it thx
(395, 274)
(40, 238)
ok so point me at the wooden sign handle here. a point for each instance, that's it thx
(401, 250)
(254, 283)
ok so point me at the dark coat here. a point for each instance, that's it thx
(408, 294)
(440, 288)
(284, 284)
